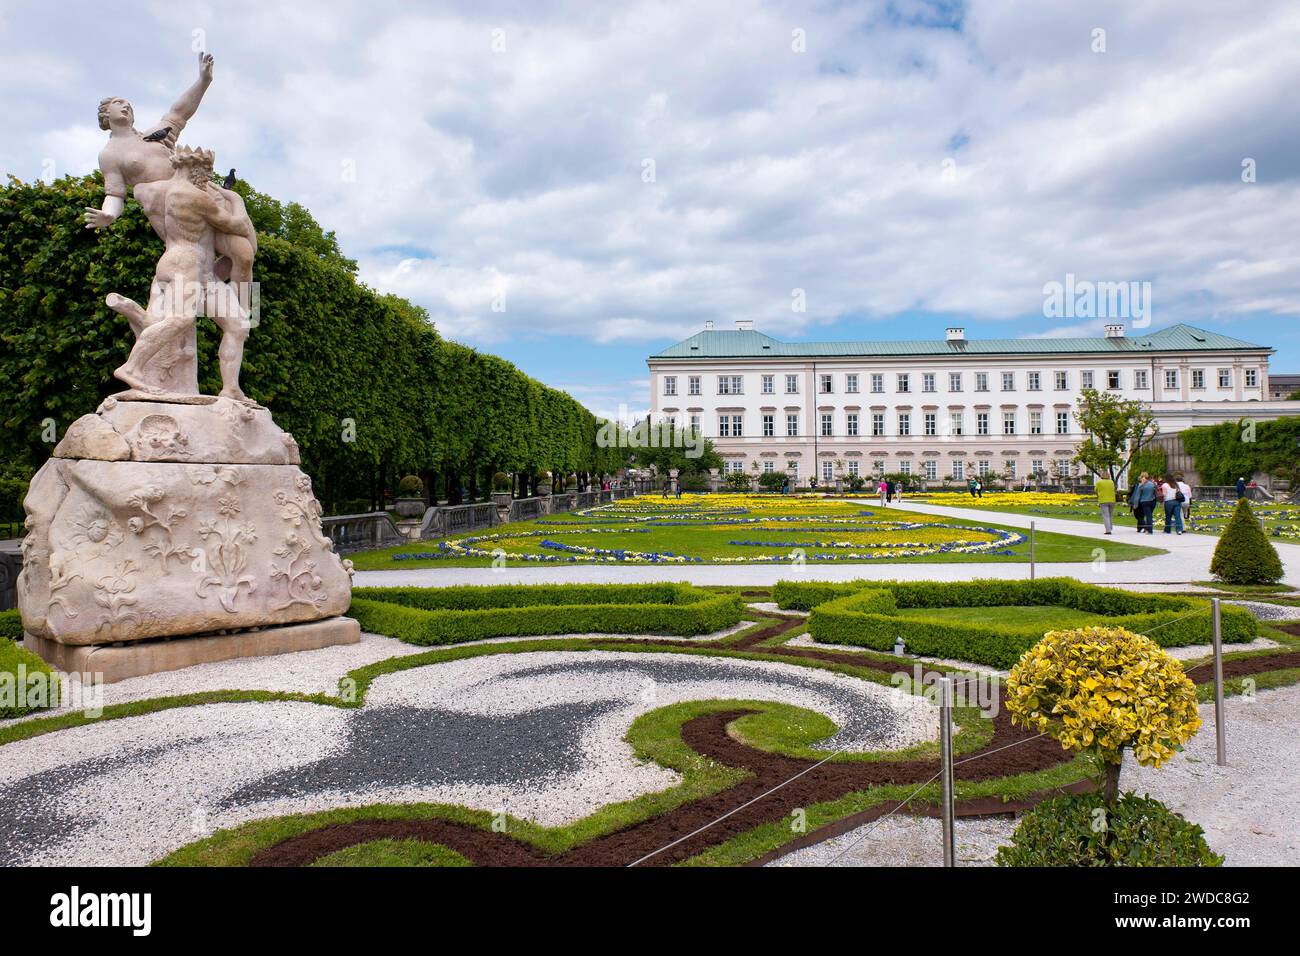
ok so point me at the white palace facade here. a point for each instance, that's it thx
(940, 409)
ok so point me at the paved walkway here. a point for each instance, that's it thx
(1188, 560)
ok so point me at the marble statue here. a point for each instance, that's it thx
(146, 164)
(171, 528)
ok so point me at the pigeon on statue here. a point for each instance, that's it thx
(158, 135)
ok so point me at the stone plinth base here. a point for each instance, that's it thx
(117, 663)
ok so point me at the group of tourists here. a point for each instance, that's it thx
(889, 491)
(975, 487)
(1149, 493)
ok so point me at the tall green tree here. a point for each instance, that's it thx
(1115, 430)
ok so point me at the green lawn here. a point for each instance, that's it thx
(820, 531)
(1047, 617)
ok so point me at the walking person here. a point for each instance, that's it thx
(1105, 489)
(972, 486)
(1146, 501)
(1241, 488)
(1170, 495)
(884, 493)
(1186, 490)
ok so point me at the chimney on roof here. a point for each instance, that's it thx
(708, 325)
(956, 334)
(744, 325)
(1115, 331)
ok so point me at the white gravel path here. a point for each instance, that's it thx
(1250, 808)
(904, 840)
(537, 735)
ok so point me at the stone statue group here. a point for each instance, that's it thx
(207, 266)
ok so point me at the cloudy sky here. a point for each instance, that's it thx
(577, 185)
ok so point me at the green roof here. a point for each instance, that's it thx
(712, 344)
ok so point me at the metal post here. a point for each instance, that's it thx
(1220, 740)
(945, 769)
(1031, 551)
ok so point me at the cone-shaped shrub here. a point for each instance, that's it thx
(1245, 555)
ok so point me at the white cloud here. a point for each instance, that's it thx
(522, 171)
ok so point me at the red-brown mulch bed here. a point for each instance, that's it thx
(779, 786)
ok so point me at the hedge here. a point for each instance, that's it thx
(11, 658)
(454, 615)
(11, 625)
(842, 614)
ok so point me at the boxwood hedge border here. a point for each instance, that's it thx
(864, 613)
(433, 616)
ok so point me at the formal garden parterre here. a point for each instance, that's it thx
(739, 529)
(603, 747)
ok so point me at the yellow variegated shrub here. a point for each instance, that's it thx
(1098, 690)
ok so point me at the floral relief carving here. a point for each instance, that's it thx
(164, 548)
(302, 583)
(299, 505)
(113, 594)
(93, 531)
(225, 557)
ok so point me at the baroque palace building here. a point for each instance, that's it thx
(947, 409)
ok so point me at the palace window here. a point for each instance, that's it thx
(1008, 381)
(827, 384)
(981, 381)
(851, 423)
(931, 423)
(695, 423)
(954, 381)
(1140, 380)
(724, 426)
(769, 465)
(956, 421)
(877, 424)
(670, 384)
(1009, 467)
(1008, 423)
(851, 383)
(1225, 378)
(769, 384)
(853, 467)
(1171, 379)
(905, 466)
(1113, 381)
(1035, 423)
(1062, 423)
(828, 473)
(1085, 380)
(904, 382)
(769, 426)
(1198, 378)
(1062, 381)
(904, 424)
(828, 426)
(958, 469)
(693, 385)
(730, 384)
(983, 468)
(1035, 381)
(877, 383)
(981, 423)
(1252, 378)
(931, 469)
(927, 382)
(791, 384)
(792, 426)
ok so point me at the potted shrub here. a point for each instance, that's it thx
(1099, 691)
(544, 484)
(410, 497)
(501, 489)
(1244, 555)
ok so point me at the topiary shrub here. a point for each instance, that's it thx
(1244, 554)
(1085, 830)
(410, 487)
(500, 481)
(1099, 690)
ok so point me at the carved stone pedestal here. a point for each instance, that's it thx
(166, 534)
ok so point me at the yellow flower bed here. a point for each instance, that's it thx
(1003, 499)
